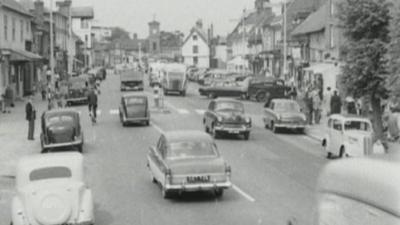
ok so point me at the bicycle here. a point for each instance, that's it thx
(92, 114)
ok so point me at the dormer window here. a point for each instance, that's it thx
(194, 37)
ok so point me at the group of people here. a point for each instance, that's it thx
(7, 100)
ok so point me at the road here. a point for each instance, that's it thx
(274, 175)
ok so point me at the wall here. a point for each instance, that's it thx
(18, 43)
(203, 53)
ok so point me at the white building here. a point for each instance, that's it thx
(101, 33)
(195, 48)
(82, 18)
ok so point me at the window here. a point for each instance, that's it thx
(27, 26)
(331, 38)
(337, 125)
(195, 49)
(22, 30)
(13, 29)
(154, 46)
(50, 173)
(86, 38)
(194, 37)
(5, 27)
(191, 149)
(84, 24)
(195, 60)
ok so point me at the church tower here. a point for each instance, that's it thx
(154, 37)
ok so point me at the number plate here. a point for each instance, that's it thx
(198, 179)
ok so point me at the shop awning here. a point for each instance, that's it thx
(22, 55)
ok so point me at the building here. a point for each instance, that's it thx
(101, 34)
(195, 47)
(154, 38)
(17, 61)
(219, 52)
(82, 18)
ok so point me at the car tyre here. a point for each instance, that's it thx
(219, 192)
(246, 136)
(147, 122)
(300, 130)
(329, 155)
(343, 153)
(214, 132)
(183, 93)
(273, 127)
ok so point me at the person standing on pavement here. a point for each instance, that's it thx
(92, 104)
(31, 117)
(351, 105)
(317, 105)
(156, 92)
(309, 105)
(336, 103)
(394, 123)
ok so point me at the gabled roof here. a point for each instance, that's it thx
(315, 22)
(14, 6)
(82, 12)
(199, 32)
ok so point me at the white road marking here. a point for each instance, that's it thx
(157, 128)
(114, 111)
(183, 111)
(200, 111)
(99, 112)
(244, 194)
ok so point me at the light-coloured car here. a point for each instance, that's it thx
(51, 190)
(188, 161)
(348, 135)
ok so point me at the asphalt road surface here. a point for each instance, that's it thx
(274, 175)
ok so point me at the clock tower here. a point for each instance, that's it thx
(154, 37)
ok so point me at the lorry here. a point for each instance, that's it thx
(131, 80)
(174, 79)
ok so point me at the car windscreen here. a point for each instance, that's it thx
(228, 105)
(286, 107)
(60, 119)
(135, 101)
(78, 84)
(357, 125)
(175, 75)
(50, 173)
(191, 149)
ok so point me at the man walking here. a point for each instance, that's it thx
(336, 103)
(92, 100)
(317, 105)
(30, 116)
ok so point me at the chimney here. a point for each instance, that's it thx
(199, 24)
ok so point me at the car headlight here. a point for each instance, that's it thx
(303, 117)
(248, 120)
(279, 117)
(220, 119)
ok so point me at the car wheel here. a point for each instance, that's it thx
(300, 130)
(214, 132)
(147, 123)
(261, 97)
(329, 155)
(246, 136)
(183, 93)
(219, 192)
(342, 152)
(165, 193)
(273, 128)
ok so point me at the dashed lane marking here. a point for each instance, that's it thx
(242, 193)
(114, 111)
(183, 111)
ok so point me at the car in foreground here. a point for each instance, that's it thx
(134, 108)
(77, 90)
(223, 89)
(226, 116)
(188, 161)
(359, 191)
(284, 113)
(348, 135)
(61, 128)
(50, 190)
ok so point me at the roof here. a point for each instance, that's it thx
(187, 135)
(15, 6)
(373, 180)
(82, 12)
(54, 112)
(315, 22)
(199, 32)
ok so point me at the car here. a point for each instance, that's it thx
(77, 90)
(61, 128)
(226, 115)
(134, 108)
(174, 79)
(359, 191)
(284, 113)
(50, 190)
(188, 161)
(263, 89)
(131, 80)
(223, 89)
(348, 135)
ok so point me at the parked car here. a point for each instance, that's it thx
(226, 116)
(134, 108)
(174, 79)
(284, 113)
(360, 191)
(187, 161)
(266, 88)
(77, 90)
(50, 190)
(223, 89)
(348, 135)
(131, 80)
(61, 128)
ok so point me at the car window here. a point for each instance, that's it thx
(279, 82)
(286, 107)
(357, 125)
(228, 105)
(191, 149)
(337, 125)
(60, 119)
(135, 101)
(330, 123)
(50, 173)
(211, 106)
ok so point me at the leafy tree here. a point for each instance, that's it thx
(394, 54)
(366, 29)
(119, 33)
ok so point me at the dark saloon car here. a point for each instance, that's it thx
(61, 128)
(223, 89)
(226, 116)
(77, 90)
(134, 108)
(284, 113)
(267, 88)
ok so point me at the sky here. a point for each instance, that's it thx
(133, 15)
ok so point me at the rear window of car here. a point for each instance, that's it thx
(191, 149)
(60, 119)
(221, 106)
(135, 101)
(357, 125)
(50, 173)
(175, 75)
(286, 106)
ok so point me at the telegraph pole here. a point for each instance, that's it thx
(284, 39)
(51, 42)
(70, 42)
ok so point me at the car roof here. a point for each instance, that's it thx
(131, 95)
(283, 100)
(61, 111)
(226, 100)
(348, 116)
(187, 135)
(373, 180)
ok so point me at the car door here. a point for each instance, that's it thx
(269, 113)
(335, 136)
(155, 160)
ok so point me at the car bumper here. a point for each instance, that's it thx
(290, 125)
(132, 88)
(235, 130)
(65, 144)
(81, 99)
(138, 119)
(198, 187)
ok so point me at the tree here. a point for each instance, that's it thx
(119, 33)
(366, 29)
(394, 54)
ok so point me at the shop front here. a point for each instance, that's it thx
(321, 76)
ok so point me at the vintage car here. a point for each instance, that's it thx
(188, 161)
(134, 108)
(50, 190)
(284, 113)
(61, 128)
(226, 116)
(223, 89)
(359, 191)
(131, 80)
(348, 135)
(174, 79)
(266, 88)
(215, 74)
(77, 90)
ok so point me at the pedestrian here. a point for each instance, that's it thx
(92, 104)
(317, 105)
(293, 92)
(50, 98)
(336, 103)
(327, 101)
(394, 123)
(309, 105)
(31, 117)
(8, 99)
(350, 105)
(156, 92)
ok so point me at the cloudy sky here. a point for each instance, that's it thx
(134, 15)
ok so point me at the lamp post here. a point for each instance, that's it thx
(284, 39)
(51, 42)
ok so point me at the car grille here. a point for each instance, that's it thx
(175, 84)
(232, 125)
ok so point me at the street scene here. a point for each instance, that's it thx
(289, 115)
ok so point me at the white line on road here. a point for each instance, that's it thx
(244, 194)
(114, 111)
(200, 111)
(157, 128)
(183, 111)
